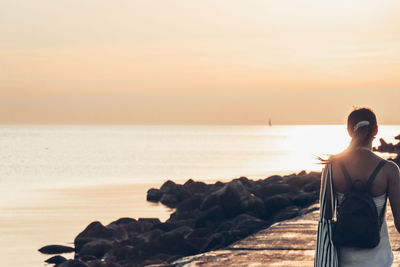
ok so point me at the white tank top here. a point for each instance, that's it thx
(379, 256)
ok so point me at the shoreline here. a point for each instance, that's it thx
(205, 217)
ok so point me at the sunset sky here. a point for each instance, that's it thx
(198, 62)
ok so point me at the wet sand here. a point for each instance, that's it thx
(56, 216)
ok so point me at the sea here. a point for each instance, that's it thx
(56, 179)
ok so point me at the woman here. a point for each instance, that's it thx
(359, 162)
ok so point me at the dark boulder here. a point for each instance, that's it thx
(166, 226)
(248, 224)
(302, 179)
(195, 187)
(270, 190)
(122, 221)
(312, 186)
(305, 198)
(229, 197)
(147, 223)
(72, 263)
(93, 231)
(210, 216)
(96, 248)
(214, 241)
(169, 200)
(152, 236)
(274, 179)
(56, 249)
(56, 259)
(195, 245)
(276, 203)
(100, 263)
(172, 241)
(154, 195)
(253, 205)
(87, 258)
(126, 225)
(121, 253)
(287, 213)
(180, 215)
(190, 203)
(171, 188)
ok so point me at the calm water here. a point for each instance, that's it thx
(57, 179)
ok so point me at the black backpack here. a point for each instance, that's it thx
(357, 221)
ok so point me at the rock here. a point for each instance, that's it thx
(196, 240)
(274, 179)
(169, 200)
(172, 241)
(96, 248)
(93, 231)
(72, 263)
(56, 249)
(305, 198)
(121, 253)
(169, 187)
(287, 213)
(122, 221)
(154, 195)
(225, 226)
(228, 197)
(276, 203)
(195, 245)
(248, 224)
(216, 186)
(166, 226)
(87, 258)
(151, 221)
(152, 236)
(56, 259)
(124, 226)
(190, 203)
(195, 187)
(206, 217)
(214, 241)
(213, 214)
(99, 263)
(253, 205)
(312, 186)
(180, 215)
(175, 192)
(270, 190)
(146, 224)
(300, 180)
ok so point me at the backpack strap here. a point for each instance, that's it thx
(374, 173)
(383, 210)
(384, 205)
(369, 183)
(346, 175)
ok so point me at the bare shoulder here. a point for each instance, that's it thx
(392, 170)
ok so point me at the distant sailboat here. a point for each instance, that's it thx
(269, 122)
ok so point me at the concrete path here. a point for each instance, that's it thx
(288, 243)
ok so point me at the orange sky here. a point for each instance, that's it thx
(209, 62)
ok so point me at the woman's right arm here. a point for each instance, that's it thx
(394, 192)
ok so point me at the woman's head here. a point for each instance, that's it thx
(362, 127)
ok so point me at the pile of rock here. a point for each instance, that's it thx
(385, 147)
(206, 217)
